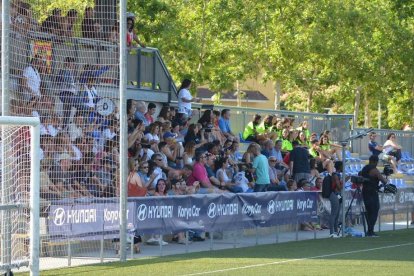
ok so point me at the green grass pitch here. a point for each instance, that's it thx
(390, 254)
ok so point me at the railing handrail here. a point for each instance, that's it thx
(270, 111)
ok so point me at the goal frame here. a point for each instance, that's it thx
(34, 124)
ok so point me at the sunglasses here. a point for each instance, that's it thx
(144, 167)
(272, 160)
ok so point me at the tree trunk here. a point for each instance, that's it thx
(357, 104)
(379, 115)
(238, 94)
(367, 114)
(277, 94)
(203, 39)
(309, 102)
(412, 115)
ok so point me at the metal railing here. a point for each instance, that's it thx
(404, 138)
(339, 125)
(145, 66)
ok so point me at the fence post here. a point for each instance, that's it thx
(186, 241)
(69, 252)
(408, 223)
(297, 230)
(211, 240)
(257, 236)
(277, 233)
(379, 220)
(102, 248)
(160, 242)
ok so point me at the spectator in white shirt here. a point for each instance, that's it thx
(185, 99)
(32, 79)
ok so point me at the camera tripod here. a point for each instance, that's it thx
(362, 210)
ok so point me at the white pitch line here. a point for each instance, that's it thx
(295, 260)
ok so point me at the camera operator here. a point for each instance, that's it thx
(370, 193)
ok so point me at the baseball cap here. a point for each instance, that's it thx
(169, 134)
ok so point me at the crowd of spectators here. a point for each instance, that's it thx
(61, 26)
(170, 151)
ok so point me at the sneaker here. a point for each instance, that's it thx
(412, 223)
(152, 241)
(334, 236)
(161, 242)
(372, 235)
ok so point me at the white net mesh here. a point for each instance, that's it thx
(15, 196)
(64, 66)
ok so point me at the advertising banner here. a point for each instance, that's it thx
(161, 215)
(86, 220)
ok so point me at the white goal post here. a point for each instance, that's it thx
(15, 206)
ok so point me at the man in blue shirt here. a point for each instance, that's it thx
(224, 123)
(261, 169)
(373, 146)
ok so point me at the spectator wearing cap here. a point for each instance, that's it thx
(260, 168)
(224, 124)
(299, 162)
(200, 174)
(152, 108)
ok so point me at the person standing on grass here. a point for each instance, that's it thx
(261, 169)
(370, 193)
(335, 200)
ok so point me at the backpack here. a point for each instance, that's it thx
(327, 186)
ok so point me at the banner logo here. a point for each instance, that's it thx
(271, 207)
(59, 216)
(211, 211)
(142, 212)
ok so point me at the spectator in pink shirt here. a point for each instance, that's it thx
(200, 174)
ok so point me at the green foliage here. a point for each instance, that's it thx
(320, 51)
(43, 8)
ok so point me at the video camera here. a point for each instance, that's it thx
(388, 188)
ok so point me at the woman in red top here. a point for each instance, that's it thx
(135, 187)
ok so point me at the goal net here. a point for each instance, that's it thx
(64, 69)
(19, 192)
